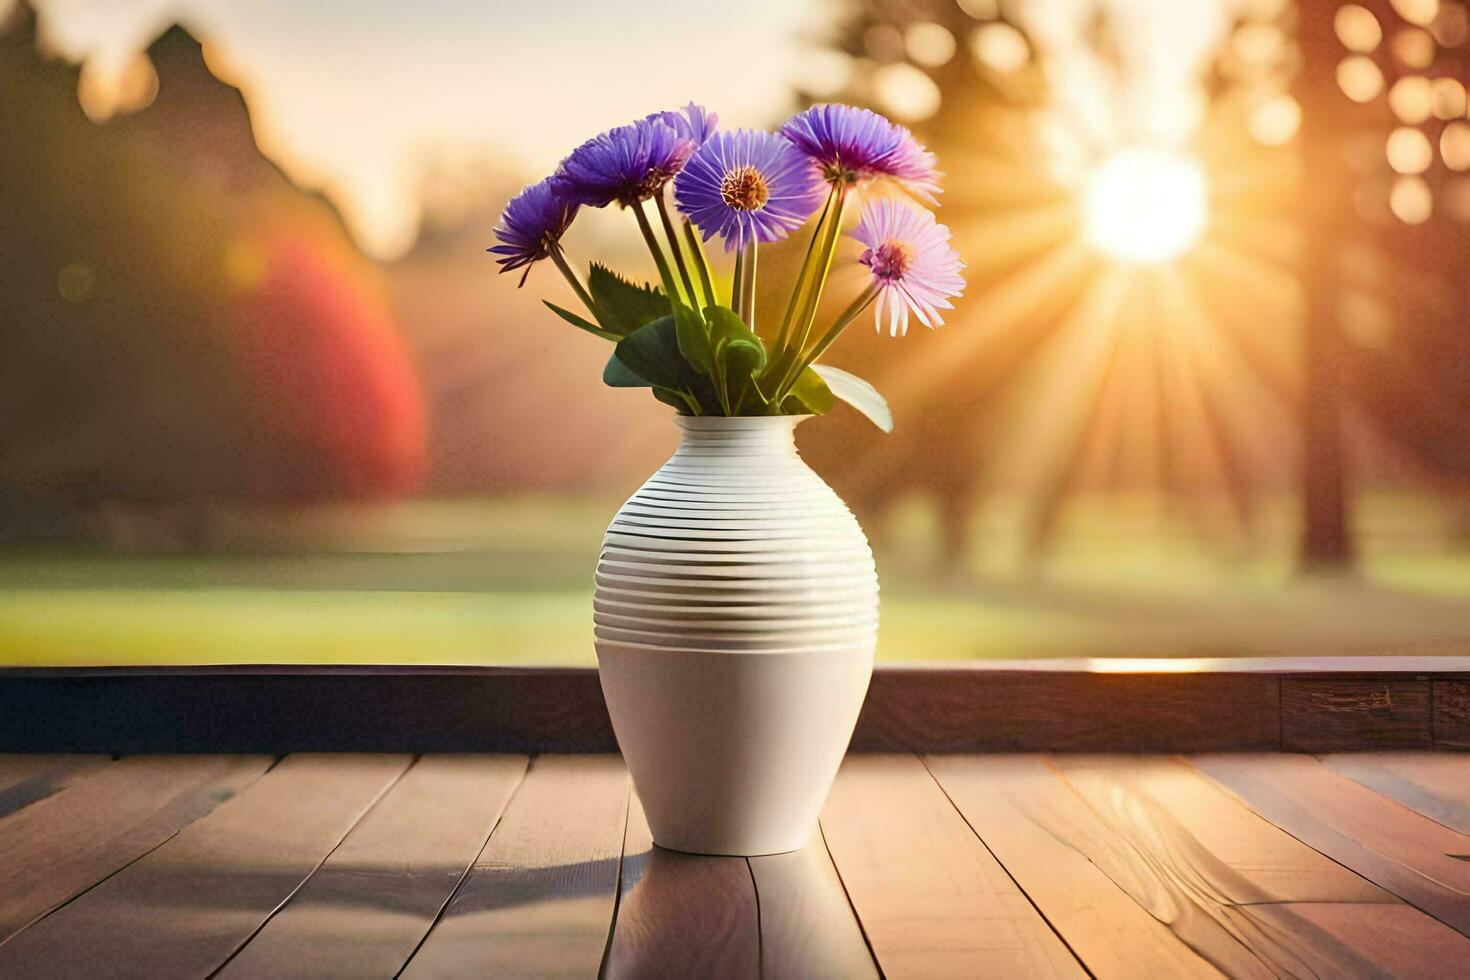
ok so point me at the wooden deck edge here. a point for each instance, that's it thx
(1341, 704)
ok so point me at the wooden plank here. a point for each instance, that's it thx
(682, 915)
(1406, 853)
(1337, 715)
(185, 907)
(1067, 861)
(1451, 714)
(24, 779)
(539, 899)
(16, 768)
(1089, 837)
(932, 900)
(1384, 940)
(808, 926)
(60, 846)
(368, 907)
(1115, 851)
(1436, 785)
(963, 710)
(1250, 859)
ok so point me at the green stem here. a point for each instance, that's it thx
(737, 287)
(840, 324)
(696, 249)
(560, 260)
(722, 387)
(748, 287)
(670, 289)
(673, 239)
(798, 291)
(809, 310)
(689, 399)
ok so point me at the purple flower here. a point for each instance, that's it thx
(691, 122)
(747, 186)
(628, 164)
(532, 224)
(913, 266)
(850, 145)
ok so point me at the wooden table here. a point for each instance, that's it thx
(934, 865)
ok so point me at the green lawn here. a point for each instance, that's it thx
(519, 592)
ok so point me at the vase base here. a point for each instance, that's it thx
(695, 849)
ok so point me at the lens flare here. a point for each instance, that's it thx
(1145, 205)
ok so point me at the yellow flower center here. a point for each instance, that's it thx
(745, 189)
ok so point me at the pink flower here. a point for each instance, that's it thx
(913, 266)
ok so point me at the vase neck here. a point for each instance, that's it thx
(742, 434)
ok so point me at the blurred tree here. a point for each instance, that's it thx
(1358, 337)
(180, 322)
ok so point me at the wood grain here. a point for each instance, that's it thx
(962, 710)
(682, 915)
(366, 909)
(932, 900)
(64, 844)
(1436, 785)
(1387, 940)
(1251, 860)
(1064, 857)
(539, 899)
(185, 907)
(24, 779)
(1451, 714)
(808, 927)
(1088, 837)
(1334, 715)
(1404, 852)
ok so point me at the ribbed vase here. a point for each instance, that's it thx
(736, 616)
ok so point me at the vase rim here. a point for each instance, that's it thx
(725, 423)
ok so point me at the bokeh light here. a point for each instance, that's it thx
(1421, 12)
(1409, 151)
(929, 44)
(1276, 121)
(1414, 47)
(905, 92)
(1411, 200)
(1447, 97)
(1454, 146)
(1359, 78)
(1357, 28)
(1411, 99)
(1000, 47)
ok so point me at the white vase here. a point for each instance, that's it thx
(736, 615)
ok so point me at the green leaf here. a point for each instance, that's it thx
(693, 337)
(623, 306)
(652, 353)
(577, 321)
(675, 398)
(735, 345)
(857, 393)
(619, 375)
(808, 396)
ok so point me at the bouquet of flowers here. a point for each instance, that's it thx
(697, 340)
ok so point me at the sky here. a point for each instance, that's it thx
(351, 96)
(356, 97)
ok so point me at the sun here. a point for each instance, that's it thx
(1145, 206)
